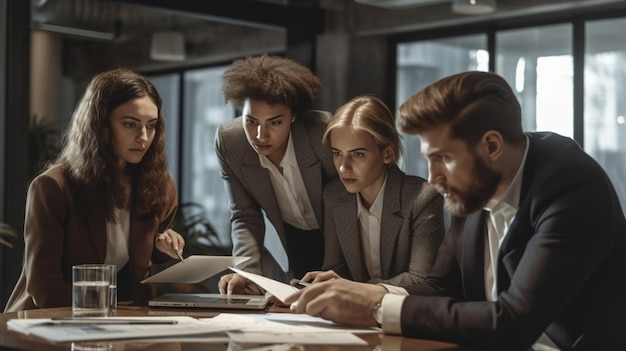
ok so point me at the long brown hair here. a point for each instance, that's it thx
(88, 157)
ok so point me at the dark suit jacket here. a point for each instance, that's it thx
(561, 267)
(56, 238)
(249, 188)
(411, 230)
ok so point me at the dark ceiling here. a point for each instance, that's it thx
(110, 30)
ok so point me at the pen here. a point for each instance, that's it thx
(300, 282)
(65, 321)
(180, 256)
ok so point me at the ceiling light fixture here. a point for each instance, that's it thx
(167, 46)
(473, 7)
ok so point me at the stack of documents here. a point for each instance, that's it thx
(111, 328)
(254, 328)
(289, 328)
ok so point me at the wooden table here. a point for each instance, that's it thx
(10, 340)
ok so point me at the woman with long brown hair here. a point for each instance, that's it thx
(108, 198)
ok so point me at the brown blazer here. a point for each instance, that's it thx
(56, 238)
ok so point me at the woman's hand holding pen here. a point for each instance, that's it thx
(170, 243)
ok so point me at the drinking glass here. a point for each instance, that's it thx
(90, 290)
(113, 290)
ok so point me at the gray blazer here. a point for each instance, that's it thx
(250, 191)
(411, 230)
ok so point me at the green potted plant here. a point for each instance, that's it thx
(193, 223)
(43, 144)
(7, 233)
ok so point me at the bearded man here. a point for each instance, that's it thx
(535, 255)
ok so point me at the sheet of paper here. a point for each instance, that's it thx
(233, 346)
(280, 290)
(342, 338)
(278, 323)
(195, 268)
(185, 326)
(254, 328)
(318, 322)
(232, 321)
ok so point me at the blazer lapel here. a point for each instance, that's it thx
(258, 179)
(260, 184)
(98, 235)
(347, 229)
(391, 220)
(310, 169)
(142, 233)
(474, 257)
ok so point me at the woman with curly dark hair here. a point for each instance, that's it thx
(274, 167)
(108, 198)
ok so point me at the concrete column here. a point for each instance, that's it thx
(45, 75)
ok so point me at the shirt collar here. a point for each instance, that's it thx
(289, 159)
(512, 195)
(377, 207)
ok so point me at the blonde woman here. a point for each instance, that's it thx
(380, 225)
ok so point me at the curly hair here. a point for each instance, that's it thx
(273, 79)
(88, 158)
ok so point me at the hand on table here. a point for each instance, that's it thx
(237, 284)
(339, 300)
(320, 276)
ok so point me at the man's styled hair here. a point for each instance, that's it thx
(273, 79)
(371, 115)
(88, 157)
(472, 103)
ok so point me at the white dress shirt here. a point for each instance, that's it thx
(369, 228)
(118, 234)
(293, 200)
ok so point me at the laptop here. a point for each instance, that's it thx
(194, 269)
(208, 300)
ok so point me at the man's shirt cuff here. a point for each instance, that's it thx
(391, 307)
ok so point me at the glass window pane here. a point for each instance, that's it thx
(423, 62)
(537, 62)
(605, 106)
(205, 110)
(169, 88)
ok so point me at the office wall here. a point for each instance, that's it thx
(15, 29)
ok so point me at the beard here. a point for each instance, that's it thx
(475, 197)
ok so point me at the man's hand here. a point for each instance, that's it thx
(339, 300)
(320, 276)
